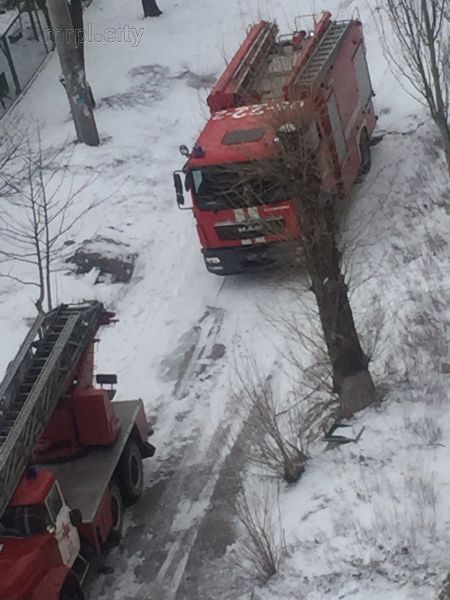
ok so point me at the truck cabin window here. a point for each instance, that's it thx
(54, 502)
(224, 187)
(21, 521)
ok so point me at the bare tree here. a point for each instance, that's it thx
(416, 41)
(294, 171)
(38, 208)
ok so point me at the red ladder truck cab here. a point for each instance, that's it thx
(320, 74)
(38, 536)
(70, 457)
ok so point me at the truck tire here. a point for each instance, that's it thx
(71, 590)
(364, 151)
(115, 535)
(130, 472)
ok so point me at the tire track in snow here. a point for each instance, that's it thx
(199, 480)
(205, 349)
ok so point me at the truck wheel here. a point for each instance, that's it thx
(71, 590)
(115, 534)
(364, 151)
(130, 473)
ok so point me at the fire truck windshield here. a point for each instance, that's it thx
(21, 521)
(234, 186)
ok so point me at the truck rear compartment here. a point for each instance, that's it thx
(84, 480)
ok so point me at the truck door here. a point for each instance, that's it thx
(65, 533)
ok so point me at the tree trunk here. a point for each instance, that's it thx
(76, 14)
(151, 8)
(439, 107)
(38, 252)
(73, 72)
(351, 378)
(445, 136)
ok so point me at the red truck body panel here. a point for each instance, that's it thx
(242, 119)
(52, 583)
(96, 532)
(24, 563)
(96, 421)
(33, 490)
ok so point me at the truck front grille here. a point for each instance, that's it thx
(249, 229)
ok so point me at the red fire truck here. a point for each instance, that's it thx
(322, 72)
(69, 457)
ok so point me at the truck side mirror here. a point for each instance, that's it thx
(188, 181)
(178, 183)
(76, 518)
(178, 188)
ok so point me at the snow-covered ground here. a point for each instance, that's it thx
(369, 520)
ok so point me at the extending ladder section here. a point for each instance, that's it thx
(316, 66)
(240, 79)
(255, 64)
(41, 373)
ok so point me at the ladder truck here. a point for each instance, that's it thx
(70, 458)
(243, 222)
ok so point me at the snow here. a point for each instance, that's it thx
(183, 334)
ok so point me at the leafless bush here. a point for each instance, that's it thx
(262, 546)
(306, 349)
(311, 390)
(275, 436)
(425, 429)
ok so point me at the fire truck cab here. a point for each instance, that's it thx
(322, 74)
(37, 529)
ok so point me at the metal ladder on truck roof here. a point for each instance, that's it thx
(323, 55)
(237, 84)
(252, 66)
(40, 374)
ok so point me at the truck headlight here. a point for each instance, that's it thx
(213, 260)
